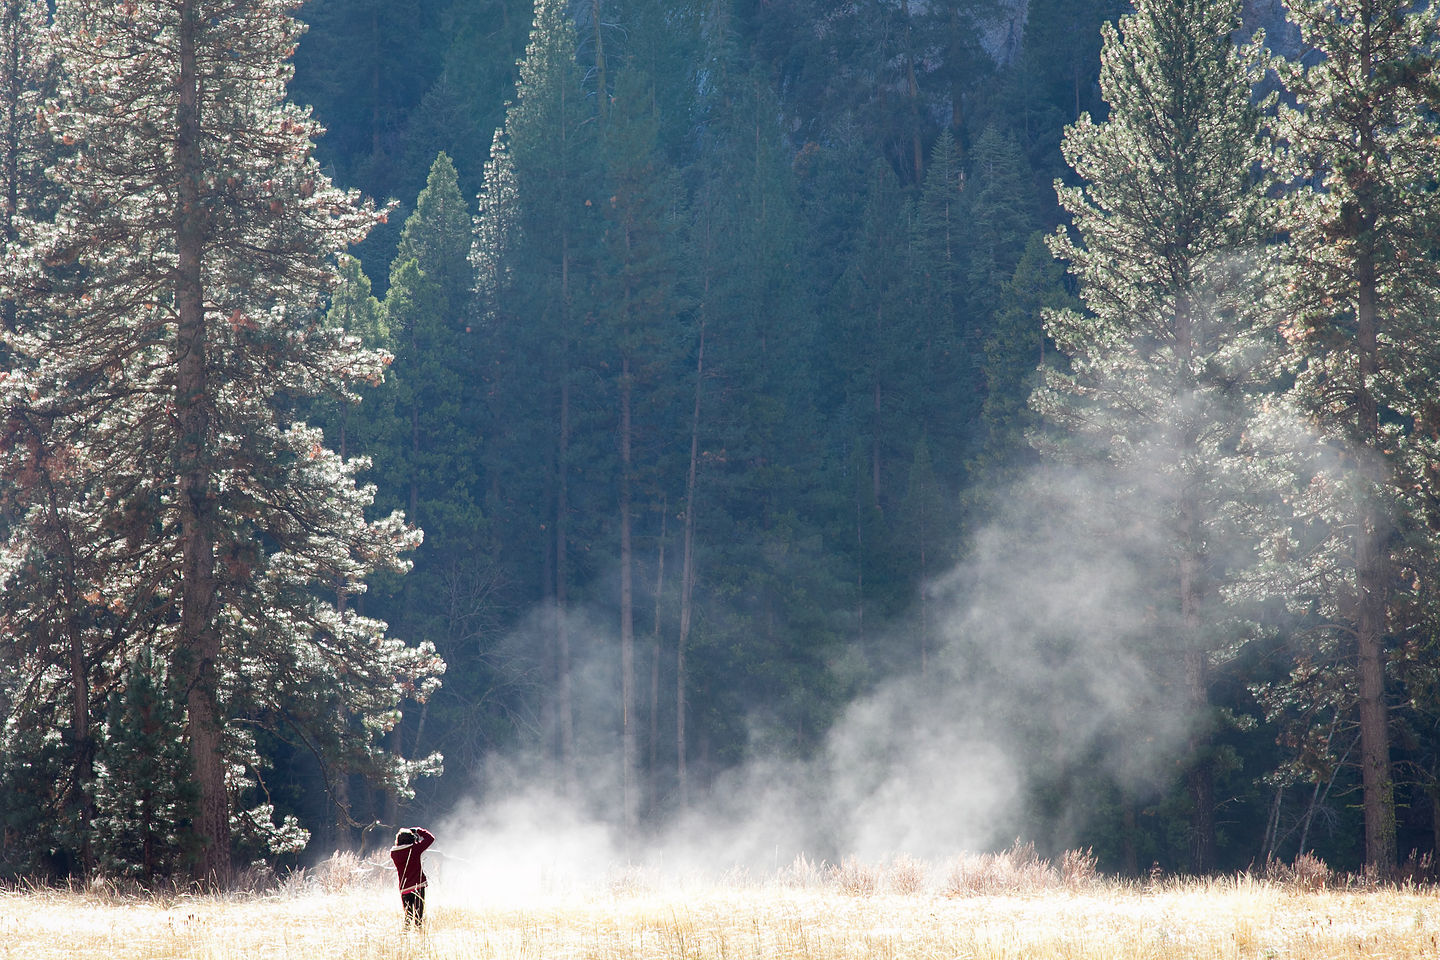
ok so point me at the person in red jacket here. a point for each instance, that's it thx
(410, 842)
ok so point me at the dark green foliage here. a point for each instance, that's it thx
(999, 214)
(1015, 353)
(397, 83)
(143, 795)
(739, 352)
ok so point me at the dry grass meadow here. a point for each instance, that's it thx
(1004, 906)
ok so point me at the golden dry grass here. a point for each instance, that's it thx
(644, 917)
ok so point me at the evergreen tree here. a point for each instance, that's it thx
(204, 235)
(639, 302)
(1363, 296)
(1170, 223)
(772, 599)
(534, 253)
(1015, 352)
(999, 215)
(947, 371)
(424, 427)
(877, 340)
(144, 797)
(435, 452)
(437, 237)
(879, 335)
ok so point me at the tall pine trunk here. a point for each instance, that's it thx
(1371, 581)
(1372, 588)
(687, 575)
(653, 744)
(628, 751)
(1195, 656)
(564, 695)
(199, 643)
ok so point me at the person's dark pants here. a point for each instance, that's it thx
(414, 904)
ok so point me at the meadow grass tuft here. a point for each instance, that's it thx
(1012, 905)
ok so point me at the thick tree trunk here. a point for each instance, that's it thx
(564, 697)
(1372, 585)
(1192, 562)
(198, 649)
(1201, 779)
(1371, 568)
(859, 564)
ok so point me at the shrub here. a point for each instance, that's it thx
(855, 878)
(906, 875)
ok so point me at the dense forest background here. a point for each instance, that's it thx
(715, 329)
(786, 165)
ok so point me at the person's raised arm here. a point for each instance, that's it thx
(425, 839)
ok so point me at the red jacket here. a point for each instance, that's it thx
(407, 861)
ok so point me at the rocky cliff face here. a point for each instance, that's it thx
(1003, 37)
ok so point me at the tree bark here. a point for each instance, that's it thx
(1371, 581)
(687, 576)
(1195, 657)
(564, 695)
(654, 733)
(1371, 567)
(628, 752)
(198, 648)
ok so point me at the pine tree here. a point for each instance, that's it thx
(768, 481)
(437, 237)
(1363, 294)
(1015, 351)
(427, 315)
(534, 252)
(1000, 215)
(425, 423)
(204, 237)
(947, 372)
(144, 797)
(877, 339)
(639, 301)
(1170, 223)
(880, 336)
